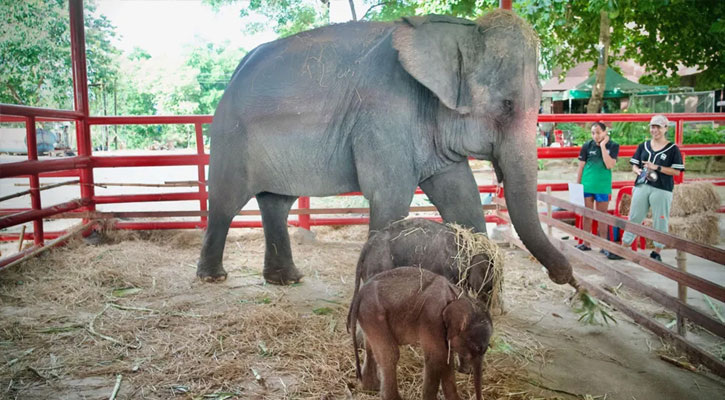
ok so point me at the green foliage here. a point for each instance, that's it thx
(35, 67)
(288, 16)
(704, 135)
(579, 133)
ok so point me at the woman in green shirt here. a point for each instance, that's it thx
(596, 159)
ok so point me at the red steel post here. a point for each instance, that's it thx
(505, 4)
(32, 144)
(80, 95)
(679, 139)
(201, 170)
(303, 203)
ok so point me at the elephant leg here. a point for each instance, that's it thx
(386, 353)
(370, 379)
(389, 205)
(279, 268)
(221, 213)
(435, 356)
(454, 192)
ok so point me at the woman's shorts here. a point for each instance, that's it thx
(599, 198)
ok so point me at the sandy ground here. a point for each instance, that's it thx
(241, 338)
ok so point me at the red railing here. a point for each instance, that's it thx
(83, 165)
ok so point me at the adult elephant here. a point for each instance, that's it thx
(379, 108)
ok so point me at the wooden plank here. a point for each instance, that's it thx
(700, 284)
(692, 351)
(655, 294)
(707, 252)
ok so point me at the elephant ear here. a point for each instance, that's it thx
(456, 316)
(429, 48)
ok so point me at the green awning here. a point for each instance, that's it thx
(615, 86)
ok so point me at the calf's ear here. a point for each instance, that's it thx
(456, 317)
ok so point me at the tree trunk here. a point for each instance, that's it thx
(595, 103)
(352, 10)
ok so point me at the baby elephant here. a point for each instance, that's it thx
(410, 305)
(430, 245)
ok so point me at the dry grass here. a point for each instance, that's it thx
(469, 245)
(174, 336)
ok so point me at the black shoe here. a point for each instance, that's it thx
(655, 255)
(606, 253)
(612, 256)
(583, 247)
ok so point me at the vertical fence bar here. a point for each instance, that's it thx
(80, 96)
(32, 144)
(201, 170)
(303, 203)
(681, 258)
(679, 138)
(548, 210)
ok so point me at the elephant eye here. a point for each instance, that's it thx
(508, 105)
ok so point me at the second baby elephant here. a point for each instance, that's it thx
(434, 246)
(414, 306)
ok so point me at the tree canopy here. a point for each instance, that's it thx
(35, 66)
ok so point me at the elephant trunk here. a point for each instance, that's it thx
(477, 376)
(518, 163)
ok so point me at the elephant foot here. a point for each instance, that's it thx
(370, 382)
(282, 276)
(220, 275)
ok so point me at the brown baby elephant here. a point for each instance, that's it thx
(430, 245)
(410, 305)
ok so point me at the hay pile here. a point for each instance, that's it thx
(693, 213)
(77, 317)
(469, 245)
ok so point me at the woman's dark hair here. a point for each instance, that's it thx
(601, 125)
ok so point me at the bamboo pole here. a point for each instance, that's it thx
(21, 238)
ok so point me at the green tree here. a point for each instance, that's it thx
(35, 63)
(210, 67)
(287, 16)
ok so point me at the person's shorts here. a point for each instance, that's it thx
(598, 197)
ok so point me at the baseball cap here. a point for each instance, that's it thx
(660, 120)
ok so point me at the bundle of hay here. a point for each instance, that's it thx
(471, 244)
(693, 213)
(694, 198)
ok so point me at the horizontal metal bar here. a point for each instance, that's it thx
(674, 117)
(30, 215)
(139, 198)
(149, 119)
(15, 169)
(25, 111)
(149, 161)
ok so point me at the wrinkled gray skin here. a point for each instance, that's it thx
(379, 108)
(430, 245)
(409, 305)
(426, 244)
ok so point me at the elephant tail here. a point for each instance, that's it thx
(358, 281)
(352, 327)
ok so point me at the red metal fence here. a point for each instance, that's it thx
(82, 166)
